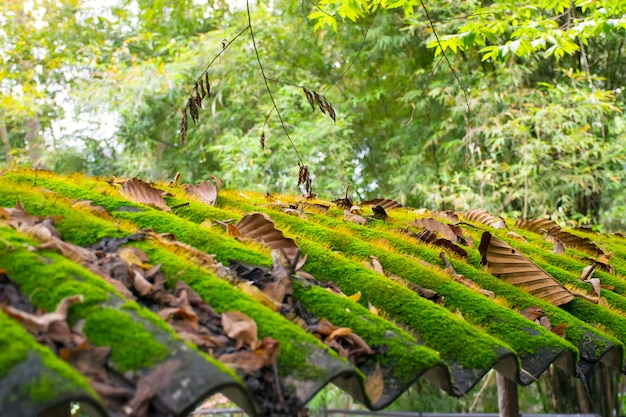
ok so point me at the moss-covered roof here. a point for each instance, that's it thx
(420, 309)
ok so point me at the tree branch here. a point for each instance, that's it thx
(267, 86)
(458, 80)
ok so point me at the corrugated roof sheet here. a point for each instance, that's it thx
(447, 317)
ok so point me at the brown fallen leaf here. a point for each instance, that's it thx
(338, 332)
(150, 385)
(595, 284)
(375, 385)
(354, 218)
(141, 192)
(180, 313)
(560, 329)
(382, 202)
(252, 361)
(42, 322)
(511, 266)
(448, 215)
(69, 250)
(533, 313)
(484, 217)
(205, 191)
(260, 227)
(379, 213)
(241, 328)
(377, 265)
(516, 236)
(568, 239)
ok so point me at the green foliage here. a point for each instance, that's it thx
(545, 80)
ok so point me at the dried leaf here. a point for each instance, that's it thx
(375, 385)
(43, 322)
(309, 98)
(305, 178)
(265, 355)
(176, 313)
(544, 321)
(258, 295)
(379, 213)
(131, 256)
(319, 101)
(354, 218)
(260, 227)
(559, 248)
(372, 309)
(73, 252)
(514, 268)
(430, 237)
(338, 332)
(193, 110)
(448, 215)
(232, 230)
(560, 329)
(568, 239)
(141, 192)
(382, 202)
(208, 84)
(436, 226)
(377, 265)
(533, 313)
(241, 328)
(595, 283)
(484, 217)
(184, 126)
(515, 236)
(205, 191)
(587, 272)
(150, 385)
(355, 297)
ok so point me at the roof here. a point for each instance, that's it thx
(142, 321)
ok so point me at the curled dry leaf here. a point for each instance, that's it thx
(382, 202)
(511, 266)
(379, 213)
(595, 284)
(69, 250)
(241, 328)
(484, 217)
(43, 322)
(450, 232)
(205, 191)
(354, 218)
(260, 227)
(150, 385)
(533, 313)
(430, 237)
(252, 361)
(141, 192)
(516, 236)
(448, 215)
(568, 239)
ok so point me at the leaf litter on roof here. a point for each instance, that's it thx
(379, 239)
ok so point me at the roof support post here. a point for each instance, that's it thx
(508, 404)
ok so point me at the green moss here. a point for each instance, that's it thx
(15, 345)
(46, 278)
(516, 297)
(403, 355)
(501, 322)
(43, 206)
(111, 327)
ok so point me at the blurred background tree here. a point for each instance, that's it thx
(101, 87)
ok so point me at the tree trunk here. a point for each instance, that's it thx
(508, 404)
(33, 141)
(5, 142)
